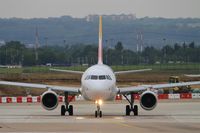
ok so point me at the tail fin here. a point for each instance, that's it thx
(100, 49)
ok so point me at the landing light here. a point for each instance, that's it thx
(100, 102)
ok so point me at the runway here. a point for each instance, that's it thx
(169, 116)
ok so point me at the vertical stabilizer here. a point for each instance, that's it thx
(100, 49)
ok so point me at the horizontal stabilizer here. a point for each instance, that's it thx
(67, 71)
(132, 71)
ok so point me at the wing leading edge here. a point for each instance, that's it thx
(73, 90)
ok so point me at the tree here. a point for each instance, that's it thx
(15, 53)
(119, 46)
(177, 47)
(12, 53)
(192, 45)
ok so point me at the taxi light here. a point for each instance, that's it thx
(100, 102)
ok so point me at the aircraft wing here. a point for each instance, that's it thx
(192, 75)
(67, 71)
(124, 90)
(131, 71)
(74, 90)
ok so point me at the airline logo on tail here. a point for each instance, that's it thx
(100, 49)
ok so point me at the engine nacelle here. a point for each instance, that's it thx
(49, 100)
(148, 100)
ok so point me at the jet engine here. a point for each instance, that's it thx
(148, 100)
(49, 100)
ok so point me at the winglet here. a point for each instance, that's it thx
(100, 49)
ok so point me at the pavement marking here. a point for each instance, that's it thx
(80, 118)
(122, 124)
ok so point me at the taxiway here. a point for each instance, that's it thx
(169, 116)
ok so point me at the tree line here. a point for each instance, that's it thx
(16, 53)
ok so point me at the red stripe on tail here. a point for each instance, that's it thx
(100, 49)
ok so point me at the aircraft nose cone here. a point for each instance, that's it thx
(98, 90)
(99, 86)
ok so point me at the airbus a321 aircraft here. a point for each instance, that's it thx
(98, 84)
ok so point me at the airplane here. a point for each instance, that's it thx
(98, 84)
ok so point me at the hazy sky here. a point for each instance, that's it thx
(81, 8)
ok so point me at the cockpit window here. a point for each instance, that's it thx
(98, 77)
(102, 77)
(108, 77)
(94, 77)
(88, 77)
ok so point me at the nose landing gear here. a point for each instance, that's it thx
(98, 112)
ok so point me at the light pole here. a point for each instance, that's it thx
(164, 50)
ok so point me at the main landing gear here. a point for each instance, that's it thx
(66, 108)
(98, 112)
(131, 108)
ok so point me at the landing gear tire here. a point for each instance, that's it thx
(135, 110)
(70, 110)
(66, 108)
(127, 110)
(63, 110)
(100, 114)
(131, 108)
(96, 114)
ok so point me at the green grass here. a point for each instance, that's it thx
(10, 70)
(186, 68)
(161, 67)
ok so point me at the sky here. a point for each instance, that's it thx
(82, 8)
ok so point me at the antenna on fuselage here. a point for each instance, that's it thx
(100, 48)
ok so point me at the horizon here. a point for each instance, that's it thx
(98, 15)
(79, 9)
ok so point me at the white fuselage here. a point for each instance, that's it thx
(99, 82)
